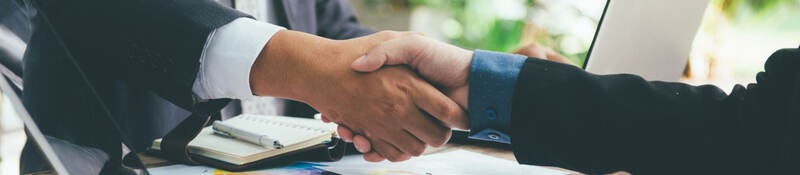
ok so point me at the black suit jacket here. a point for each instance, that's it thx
(125, 48)
(563, 116)
(141, 56)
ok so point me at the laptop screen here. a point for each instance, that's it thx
(648, 38)
(585, 61)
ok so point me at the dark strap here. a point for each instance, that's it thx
(174, 144)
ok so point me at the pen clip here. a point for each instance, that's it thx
(222, 133)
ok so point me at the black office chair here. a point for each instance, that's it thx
(11, 51)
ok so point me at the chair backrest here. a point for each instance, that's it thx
(12, 48)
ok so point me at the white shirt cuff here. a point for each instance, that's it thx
(227, 57)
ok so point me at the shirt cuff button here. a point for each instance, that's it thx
(491, 114)
(493, 136)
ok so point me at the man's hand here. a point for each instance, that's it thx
(535, 50)
(388, 106)
(444, 65)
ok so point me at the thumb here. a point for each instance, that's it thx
(392, 52)
(368, 64)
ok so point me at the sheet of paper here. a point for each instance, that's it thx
(301, 168)
(454, 162)
(458, 162)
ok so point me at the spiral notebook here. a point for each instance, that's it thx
(294, 133)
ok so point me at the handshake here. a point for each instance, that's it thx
(371, 86)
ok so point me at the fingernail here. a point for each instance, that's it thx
(360, 60)
(362, 150)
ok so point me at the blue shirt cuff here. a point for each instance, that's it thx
(492, 78)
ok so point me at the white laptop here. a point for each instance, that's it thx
(649, 38)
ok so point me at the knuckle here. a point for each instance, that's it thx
(449, 112)
(389, 34)
(394, 34)
(398, 110)
(417, 37)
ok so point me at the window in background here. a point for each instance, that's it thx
(567, 26)
(731, 45)
(737, 36)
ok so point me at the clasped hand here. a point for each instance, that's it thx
(389, 107)
(443, 65)
(390, 112)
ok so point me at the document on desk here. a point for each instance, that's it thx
(456, 162)
(453, 162)
(302, 168)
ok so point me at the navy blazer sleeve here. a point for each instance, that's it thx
(153, 44)
(563, 116)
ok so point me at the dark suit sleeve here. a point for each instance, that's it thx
(336, 20)
(154, 44)
(563, 116)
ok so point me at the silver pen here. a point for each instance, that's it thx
(259, 139)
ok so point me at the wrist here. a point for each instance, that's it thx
(447, 66)
(286, 66)
(461, 93)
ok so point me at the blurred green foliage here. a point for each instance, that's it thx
(474, 24)
(477, 26)
(731, 7)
